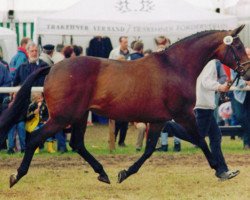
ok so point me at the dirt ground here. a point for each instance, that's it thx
(162, 177)
(117, 161)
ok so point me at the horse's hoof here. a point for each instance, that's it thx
(122, 176)
(13, 180)
(104, 179)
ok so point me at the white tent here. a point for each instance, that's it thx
(132, 17)
(144, 18)
(25, 11)
(241, 11)
(7, 43)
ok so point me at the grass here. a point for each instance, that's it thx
(184, 175)
(97, 136)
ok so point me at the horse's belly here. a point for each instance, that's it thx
(126, 112)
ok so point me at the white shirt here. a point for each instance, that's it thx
(116, 53)
(206, 85)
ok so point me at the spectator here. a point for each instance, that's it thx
(68, 52)
(20, 58)
(121, 126)
(5, 81)
(138, 51)
(141, 127)
(2, 61)
(59, 48)
(37, 116)
(58, 54)
(241, 107)
(164, 142)
(19, 127)
(77, 50)
(206, 85)
(46, 55)
(132, 44)
(119, 53)
(25, 69)
(61, 142)
(162, 43)
(123, 49)
(147, 52)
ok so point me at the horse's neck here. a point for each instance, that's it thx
(197, 53)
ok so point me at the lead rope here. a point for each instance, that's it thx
(223, 95)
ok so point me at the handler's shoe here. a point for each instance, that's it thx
(227, 175)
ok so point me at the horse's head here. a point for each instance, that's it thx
(232, 53)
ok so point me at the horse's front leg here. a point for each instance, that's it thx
(77, 142)
(153, 135)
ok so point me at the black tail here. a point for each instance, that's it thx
(21, 103)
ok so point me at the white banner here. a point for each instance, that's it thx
(86, 28)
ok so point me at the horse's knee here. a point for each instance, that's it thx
(33, 142)
(148, 152)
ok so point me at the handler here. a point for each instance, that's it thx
(206, 85)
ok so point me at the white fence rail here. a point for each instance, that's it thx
(15, 89)
(40, 89)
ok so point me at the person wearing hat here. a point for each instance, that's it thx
(47, 54)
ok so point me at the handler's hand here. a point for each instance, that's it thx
(224, 88)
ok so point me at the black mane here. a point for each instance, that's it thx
(195, 35)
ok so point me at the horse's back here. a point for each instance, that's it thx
(128, 90)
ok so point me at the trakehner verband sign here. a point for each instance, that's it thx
(128, 29)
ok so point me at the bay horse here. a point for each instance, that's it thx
(153, 89)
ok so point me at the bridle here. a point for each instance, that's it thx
(240, 66)
(228, 40)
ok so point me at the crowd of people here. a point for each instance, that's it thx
(28, 59)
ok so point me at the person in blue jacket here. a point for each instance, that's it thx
(20, 57)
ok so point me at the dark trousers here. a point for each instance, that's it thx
(122, 127)
(3, 146)
(207, 126)
(61, 141)
(242, 113)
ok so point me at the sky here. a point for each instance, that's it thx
(32, 5)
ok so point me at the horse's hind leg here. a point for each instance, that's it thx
(36, 137)
(191, 135)
(77, 142)
(153, 135)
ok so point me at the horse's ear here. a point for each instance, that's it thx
(237, 30)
